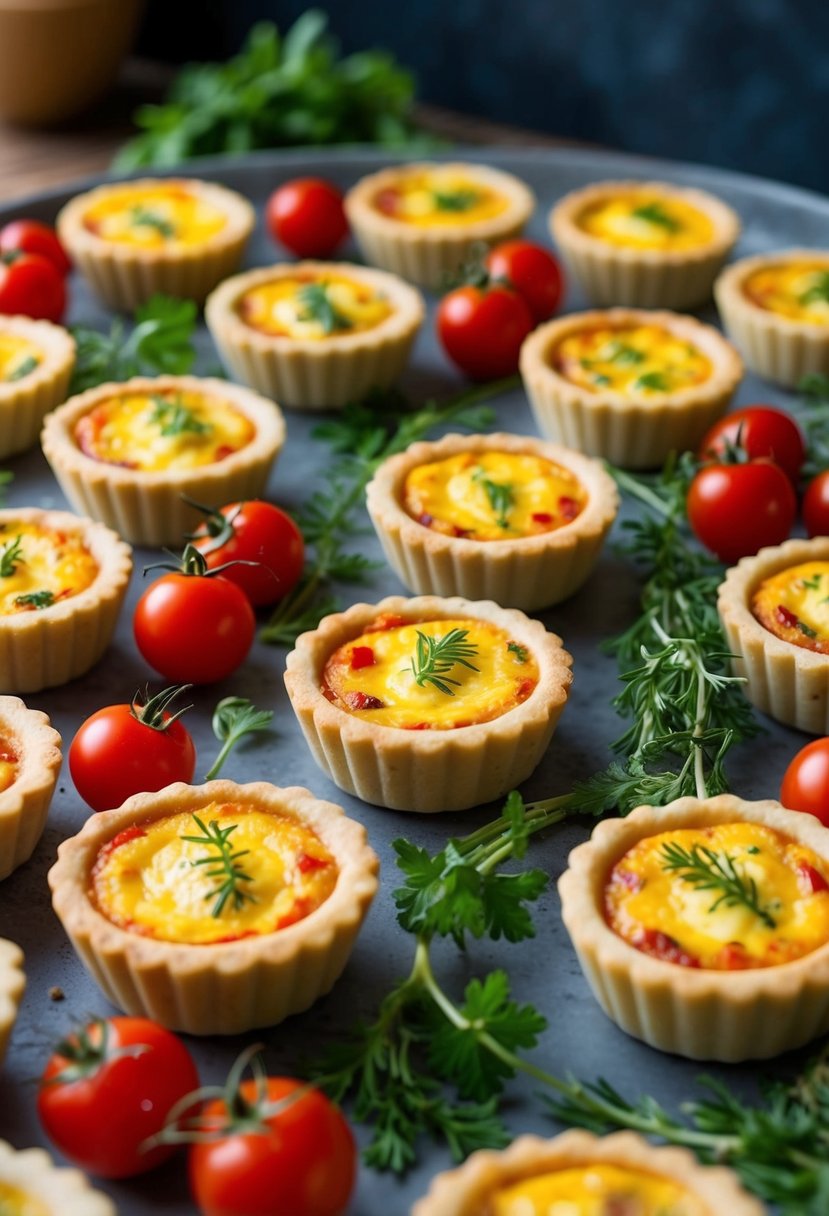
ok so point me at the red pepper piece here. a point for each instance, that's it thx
(541, 517)
(785, 617)
(659, 945)
(734, 957)
(810, 880)
(568, 506)
(362, 700)
(361, 656)
(306, 864)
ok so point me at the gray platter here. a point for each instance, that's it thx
(544, 971)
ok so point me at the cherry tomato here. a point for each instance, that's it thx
(192, 626)
(253, 532)
(530, 270)
(31, 286)
(129, 749)
(108, 1088)
(736, 509)
(299, 1160)
(306, 216)
(482, 330)
(806, 781)
(30, 236)
(816, 505)
(762, 432)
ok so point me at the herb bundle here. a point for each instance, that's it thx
(160, 343)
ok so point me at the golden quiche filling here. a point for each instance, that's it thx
(796, 290)
(19, 357)
(154, 217)
(15, 1202)
(644, 221)
(794, 605)
(9, 764)
(227, 872)
(724, 898)
(430, 675)
(41, 566)
(308, 306)
(636, 362)
(493, 495)
(159, 431)
(437, 197)
(596, 1190)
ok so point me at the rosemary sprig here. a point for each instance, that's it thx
(10, 556)
(173, 418)
(501, 496)
(145, 217)
(318, 306)
(435, 657)
(655, 213)
(707, 870)
(223, 862)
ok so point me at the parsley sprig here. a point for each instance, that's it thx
(317, 305)
(234, 718)
(160, 342)
(435, 657)
(707, 870)
(223, 865)
(173, 418)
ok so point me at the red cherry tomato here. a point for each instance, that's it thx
(816, 505)
(128, 749)
(306, 216)
(254, 532)
(110, 1087)
(31, 286)
(482, 329)
(763, 433)
(530, 270)
(806, 781)
(736, 509)
(30, 236)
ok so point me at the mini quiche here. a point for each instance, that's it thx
(501, 517)
(31, 1185)
(644, 244)
(428, 704)
(702, 927)
(30, 760)
(126, 453)
(578, 1174)
(773, 609)
(315, 334)
(36, 362)
(628, 385)
(12, 987)
(422, 220)
(62, 582)
(776, 308)
(218, 908)
(178, 236)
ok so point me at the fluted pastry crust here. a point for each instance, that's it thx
(12, 986)
(24, 805)
(25, 403)
(61, 1192)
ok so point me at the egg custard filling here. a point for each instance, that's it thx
(226, 872)
(437, 197)
(430, 675)
(315, 307)
(162, 431)
(154, 217)
(794, 605)
(635, 362)
(19, 357)
(15, 1202)
(9, 764)
(796, 290)
(493, 495)
(41, 566)
(730, 897)
(636, 220)
(595, 1190)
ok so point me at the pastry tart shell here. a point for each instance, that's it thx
(427, 256)
(611, 274)
(776, 347)
(631, 434)
(53, 645)
(698, 1013)
(465, 1191)
(308, 374)
(427, 770)
(125, 276)
(25, 403)
(528, 572)
(12, 986)
(24, 805)
(60, 1192)
(787, 682)
(146, 507)
(227, 987)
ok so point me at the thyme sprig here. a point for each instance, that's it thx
(435, 657)
(707, 870)
(224, 865)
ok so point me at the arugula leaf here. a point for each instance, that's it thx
(161, 342)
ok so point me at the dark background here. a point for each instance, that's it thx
(738, 83)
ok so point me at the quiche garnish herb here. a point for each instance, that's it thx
(455, 200)
(632, 359)
(160, 341)
(23, 369)
(223, 865)
(818, 292)
(145, 217)
(655, 213)
(173, 418)
(36, 599)
(520, 652)
(10, 555)
(501, 497)
(792, 605)
(318, 306)
(706, 869)
(435, 657)
(652, 382)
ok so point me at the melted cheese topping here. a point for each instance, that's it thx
(493, 495)
(151, 880)
(46, 566)
(797, 290)
(639, 362)
(9, 764)
(14, 1202)
(373, 676)
(166, 430)
(19, 357)
(439, 197)
(663, 914)
(794, 605)
(313, 306)
(154, 217)
(596, 1190)
(636, 220)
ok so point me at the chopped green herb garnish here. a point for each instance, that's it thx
(811, 584)
(626, 356)
(35, 599)
(454, 200)
(520, 652)
(145, 217)
(501, 497)
(805, 629)
(174, 418)
(753, 849)
(655, 213)
(655, 382)
(818, 293)
(25, 368)
(601, 379)
(10, 556)
(318, 306)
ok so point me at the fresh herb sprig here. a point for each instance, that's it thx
(223, 865)
(35, 599)
(160, 342)
(174, 418)
(814, 420)
(501, 496)
(707, 870)
(654, 213)
(145, 217)
(317, 305)
(234, 718)
(10, 557)
(435, 657)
